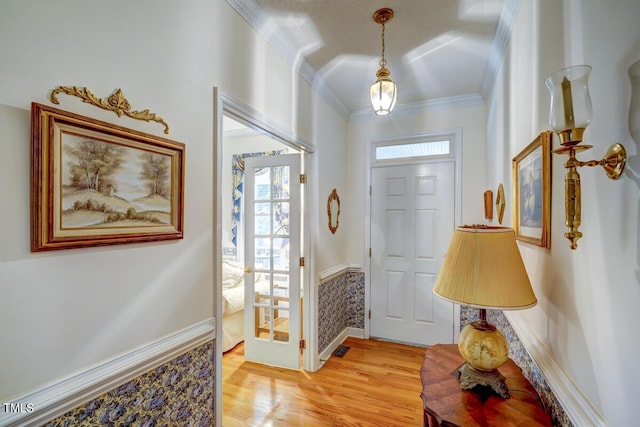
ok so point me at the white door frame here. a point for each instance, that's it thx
(225, 105)
(456, 148)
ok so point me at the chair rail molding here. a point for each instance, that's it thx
(337, 270)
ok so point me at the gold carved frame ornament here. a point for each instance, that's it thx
(333, 211)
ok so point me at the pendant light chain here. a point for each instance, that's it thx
(383, 62)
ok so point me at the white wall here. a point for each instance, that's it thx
(331, 165)
(587, 314)
(365, 128)
(66, 310)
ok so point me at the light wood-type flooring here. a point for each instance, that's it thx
(376, 383)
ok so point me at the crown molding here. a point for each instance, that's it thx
(260, 22)
(500, 45)
(461, 101)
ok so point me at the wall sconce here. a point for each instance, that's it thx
(569, 116)
(383, 92)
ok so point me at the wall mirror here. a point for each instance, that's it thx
(333, 210)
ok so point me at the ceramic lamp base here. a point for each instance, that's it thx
(485, 349)
(471, 377)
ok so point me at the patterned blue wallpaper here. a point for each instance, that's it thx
(521, 357)
(355, 299)
(340, 305)
(178, 393)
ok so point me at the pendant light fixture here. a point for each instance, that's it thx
(383, 92)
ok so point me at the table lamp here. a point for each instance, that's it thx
(483, 268)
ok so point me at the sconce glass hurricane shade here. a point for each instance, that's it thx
(383, 93)
(571, 109)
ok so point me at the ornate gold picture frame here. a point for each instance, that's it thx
(501, 202)
(532, 192)
(333, 211)
(488, 204)
(94, 183)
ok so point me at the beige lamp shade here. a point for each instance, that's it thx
(483, 268)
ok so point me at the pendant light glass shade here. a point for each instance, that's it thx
(383, 93)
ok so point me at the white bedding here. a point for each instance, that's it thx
(232, 330)
(233, 303)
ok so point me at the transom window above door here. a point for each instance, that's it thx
(422, 148)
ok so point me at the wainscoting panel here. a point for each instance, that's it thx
(340, 305)
(168, 382)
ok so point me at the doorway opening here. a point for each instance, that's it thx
(260, 246)
(242, 137)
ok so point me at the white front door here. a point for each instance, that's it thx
(412, 222)
(272, 254)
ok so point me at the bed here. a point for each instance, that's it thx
(233, 302)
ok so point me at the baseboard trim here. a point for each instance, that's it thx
(355, 333)
(60, 397)
(346, 332)
(570, 397)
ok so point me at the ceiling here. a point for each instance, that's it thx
(435, 49)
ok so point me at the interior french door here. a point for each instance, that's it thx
(272, 254)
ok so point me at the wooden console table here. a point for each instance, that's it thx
(445, 404)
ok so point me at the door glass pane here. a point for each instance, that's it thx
(262, 282)
(263, 306)
(280, 183)
(281, 321)
(263, 208)
(262, 253)
(281, 307)
(281, 284)
(281, 218)
(262, 186)
(281, 254)
(262, 225)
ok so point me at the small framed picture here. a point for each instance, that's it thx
(532, 192)
(95, 183)
(488, 204)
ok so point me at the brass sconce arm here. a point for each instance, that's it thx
(613, 163)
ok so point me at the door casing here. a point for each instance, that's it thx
(455, 136)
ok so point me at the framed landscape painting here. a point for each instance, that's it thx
(532, 192)
(95, 183)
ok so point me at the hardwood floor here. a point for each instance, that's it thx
(376, 383)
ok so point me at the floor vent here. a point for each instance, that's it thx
(341, 351)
